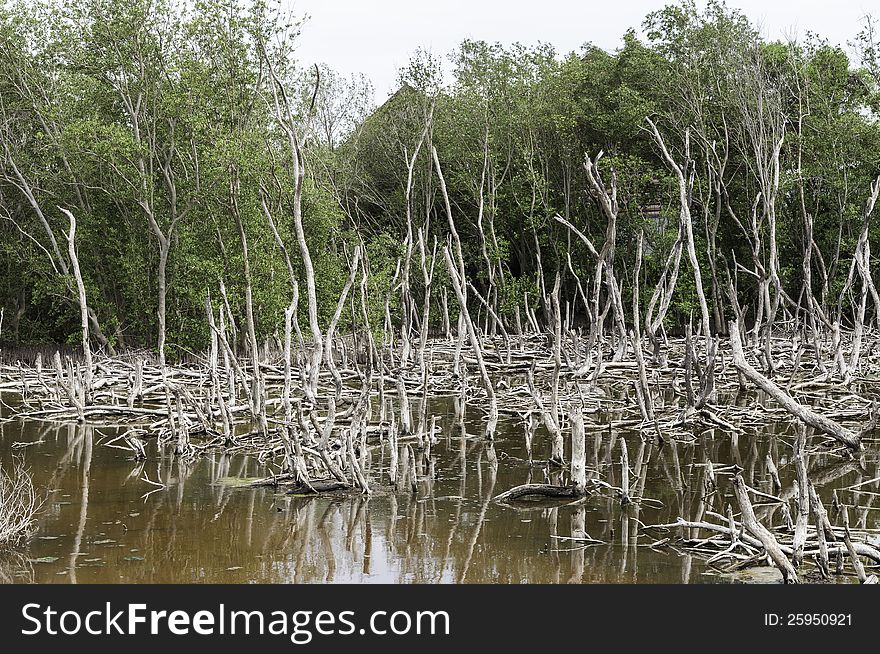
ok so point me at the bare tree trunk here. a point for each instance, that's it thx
(331, 328)
(759, 531)
(684, 186)
(459, 286)
(56, 259)
(803, 497)
(83, 305)
(407, 304)
(862, 263)
(558, 453)
(257, 395)
(646, 400)
(284, 115)
(578, 452)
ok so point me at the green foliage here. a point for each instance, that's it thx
(133, 109)
(123, 111)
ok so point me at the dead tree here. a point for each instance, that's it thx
(284, 116)
(459, 287)
(861, 262)
(257, 396)
(799, 411)
(331, 328)
(407, 303)
(83, 305)
(604, 266)
(685, 182)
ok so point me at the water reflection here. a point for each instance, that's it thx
(109, 518)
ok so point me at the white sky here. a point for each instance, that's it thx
(376, 37)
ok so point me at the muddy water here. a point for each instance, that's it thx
(102, 523)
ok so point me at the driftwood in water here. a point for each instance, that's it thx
(578, 486)
(541, 490)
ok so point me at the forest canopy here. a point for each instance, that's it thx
(156, 124)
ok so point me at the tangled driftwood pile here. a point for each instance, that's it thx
(545, 383)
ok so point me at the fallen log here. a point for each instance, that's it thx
(759, 531)
(293, 486)
(799, 411)
(543, 490)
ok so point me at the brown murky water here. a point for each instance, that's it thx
(102, 523)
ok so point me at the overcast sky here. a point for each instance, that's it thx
(376, 37)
